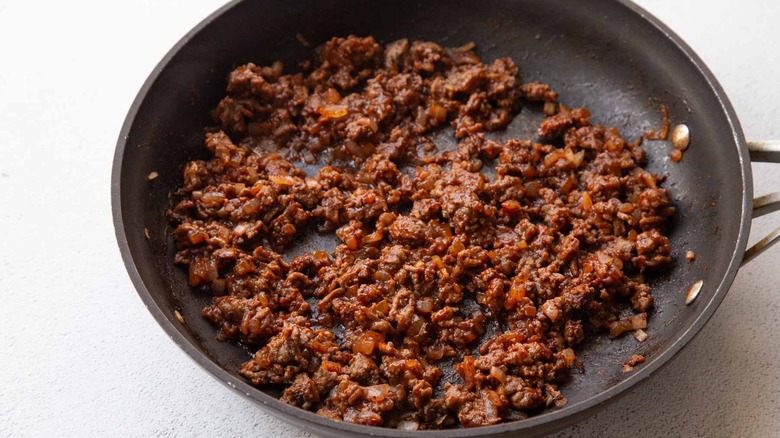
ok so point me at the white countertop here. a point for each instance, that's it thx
(81, 356)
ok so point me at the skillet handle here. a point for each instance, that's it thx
(767, 152)
(764, 151)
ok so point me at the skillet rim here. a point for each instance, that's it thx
(547, 422)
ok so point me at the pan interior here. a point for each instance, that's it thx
(605, 57)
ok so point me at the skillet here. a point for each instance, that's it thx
(610, 56)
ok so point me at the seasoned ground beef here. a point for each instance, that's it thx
(454, 298)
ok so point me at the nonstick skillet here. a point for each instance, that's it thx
(608, 55)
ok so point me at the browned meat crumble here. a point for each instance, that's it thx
(633, 361)
(440, 266)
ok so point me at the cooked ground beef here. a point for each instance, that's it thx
(633, 361)
(440, 266)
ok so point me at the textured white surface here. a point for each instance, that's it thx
(79, 353)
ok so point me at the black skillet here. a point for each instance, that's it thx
(608, 55)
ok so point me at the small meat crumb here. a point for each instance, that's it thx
(633, 361)
(153, 175)
(690, 256)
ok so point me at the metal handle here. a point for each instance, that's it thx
(767, 152)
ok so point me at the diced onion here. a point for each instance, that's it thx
(551, 310)
(376, 236)
(213, 199)
(552, 157)
(438, 112)
(330, 366)
(334, 111)
(510, 206)
(408, 425)
(621, 326)
(569, 356)
(550, 108)
(466, 47)
(640, 335)
(498, 374)
(367, 342)
(377, 393)
(425, 305)
(252, 206)
(283, 180)
(586, 202)
(681, 137)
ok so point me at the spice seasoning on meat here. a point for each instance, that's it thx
(439, 266)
